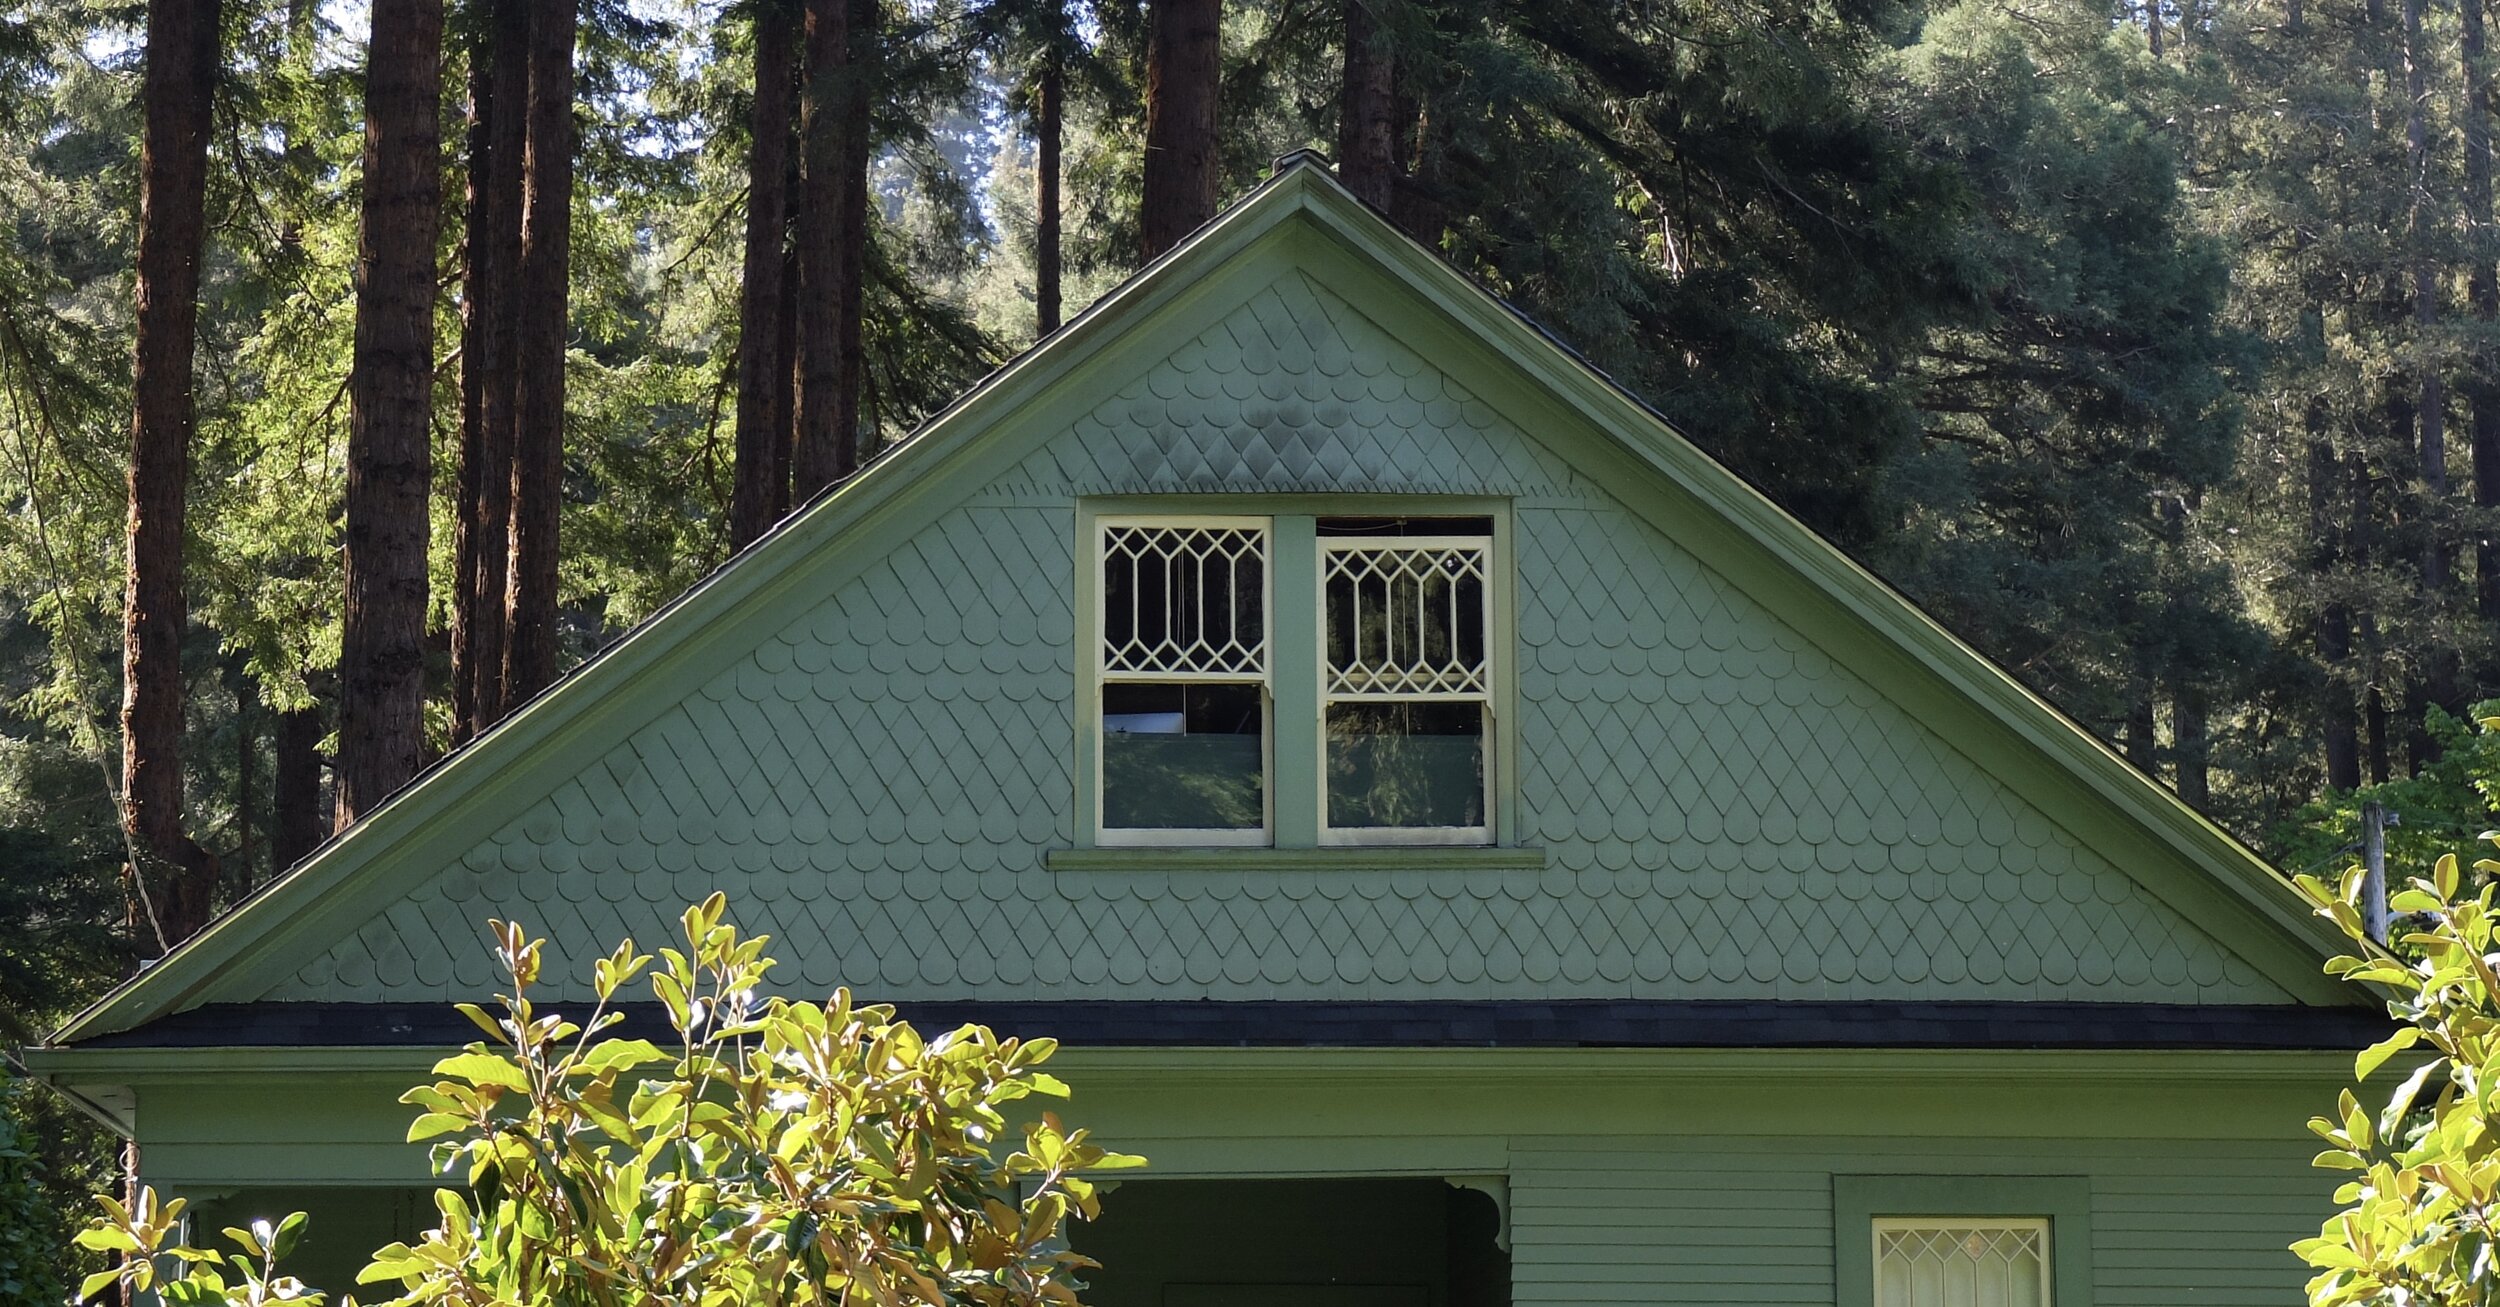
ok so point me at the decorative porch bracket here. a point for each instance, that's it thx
(1497, 1188)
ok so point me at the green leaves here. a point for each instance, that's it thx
(783, 1153)
(2417, 1215)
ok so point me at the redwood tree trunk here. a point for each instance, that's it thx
(761, 425)
(1048, 91)
(2482, 293)
(300, 820)
(246, 773)
(786, 370)
(859, 79)
(2188, 735)
(2438, 678)
(489, 380)
(2333, 634)
(390, 398)
(1184, 50)
(543, 285)
(820, 444)
(1367, 111)
(180, 877)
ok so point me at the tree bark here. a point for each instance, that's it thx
(489, 378)
(2363, 548)
(246, 776)
(2482, 294)
(1415, 204)
(2138, 740)
(1184, 50)
(390, 399)
(867, 23)
(823, 450)
(2190, 746)
(2152, 27)
(761, 425)
(1049, 88)
(786, 372)
(2431, 407)
(2333, 628)
(544, 287)
(300, 820)
(1366, 111)
(170, 895)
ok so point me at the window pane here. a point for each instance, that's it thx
(1961, 1265)
(1183, 757)
(1406, 764)
(1406, 621)
(1184, 599)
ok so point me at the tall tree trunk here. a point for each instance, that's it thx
(761, 427)
(544, 287)
(1366, 111)
(489, 376)
(246, 776)
(2139, 741)
(822, 451)
(170, 897)
(295, 797)
(2152, 27)
(860, 75)
(1184, 52)
(1048, 90)
(1415, 204)
(2438, 677)
(2191, 747)
(2364, 548)
(390, 399)
(2333, 630)
(786, 372)
(2482, 294)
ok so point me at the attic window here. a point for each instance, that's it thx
(1406, 680)
(1184, 658)
(1292, 680)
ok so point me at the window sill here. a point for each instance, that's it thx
(1384, 857)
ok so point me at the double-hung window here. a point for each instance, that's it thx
(1406, 680)
(1185, 663)
(1361, 713)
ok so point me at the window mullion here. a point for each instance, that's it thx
(1294, 656)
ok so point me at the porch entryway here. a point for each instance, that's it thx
(1372, 1242)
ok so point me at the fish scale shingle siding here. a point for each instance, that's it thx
(1728, 813)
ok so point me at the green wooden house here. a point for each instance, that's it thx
(1478, 848)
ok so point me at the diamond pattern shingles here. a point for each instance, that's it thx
(1728, 812)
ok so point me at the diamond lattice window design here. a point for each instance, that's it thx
(1183, 601)
(1406, 618)
(1928, 1263)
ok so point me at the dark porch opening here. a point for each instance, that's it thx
(1385, 1242)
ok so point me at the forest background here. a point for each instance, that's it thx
(2154, 348)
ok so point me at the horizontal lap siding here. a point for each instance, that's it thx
(1749, 1221)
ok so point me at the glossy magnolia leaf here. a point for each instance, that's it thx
(2376, 1055)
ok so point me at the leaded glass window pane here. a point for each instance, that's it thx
(1406, 678)
(1961, 1263)
(1184, 693)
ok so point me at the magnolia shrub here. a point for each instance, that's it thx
(771, 1152)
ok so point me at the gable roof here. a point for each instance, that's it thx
(2133, 820)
